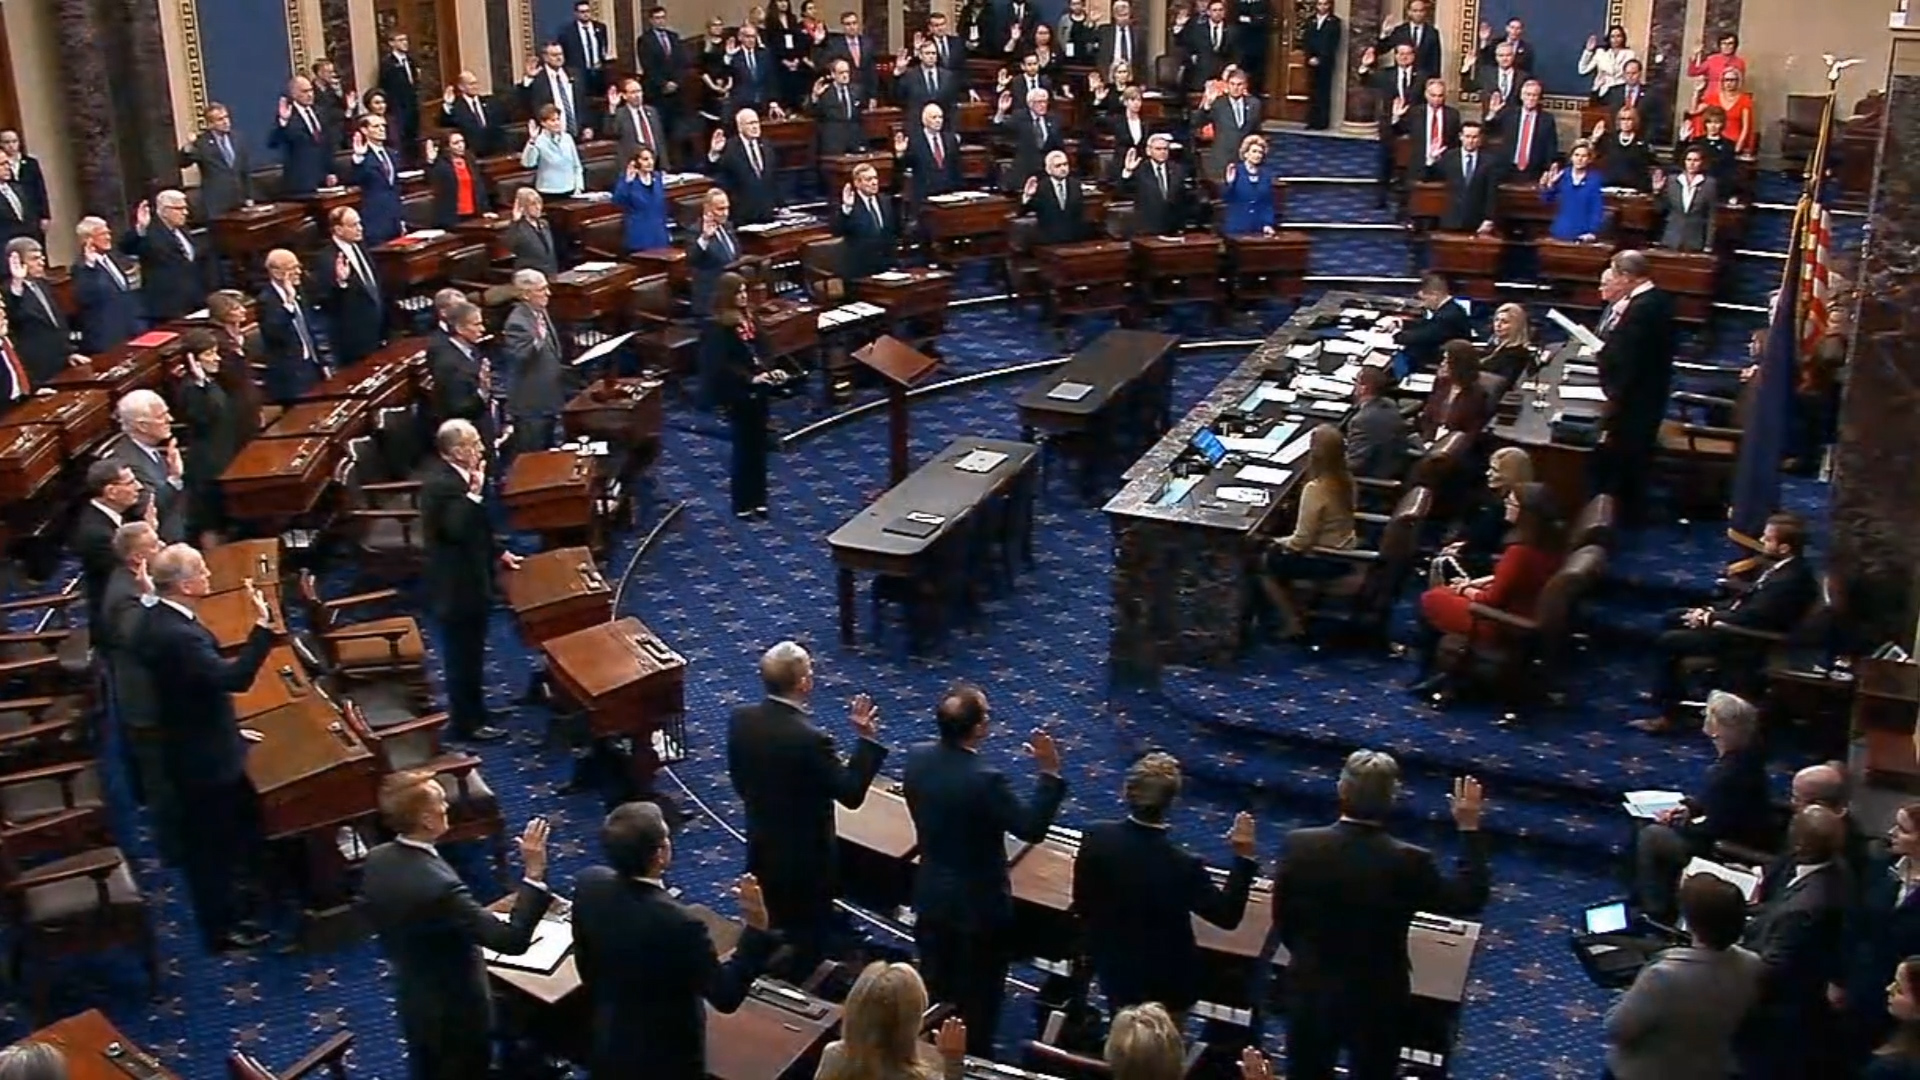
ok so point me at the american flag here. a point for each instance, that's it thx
(1817, 243)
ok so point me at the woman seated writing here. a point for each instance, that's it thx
(1531, 557)
(1324, 520)
(1579, 210)
(1458, 401)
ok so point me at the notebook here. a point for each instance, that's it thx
(1070, 391)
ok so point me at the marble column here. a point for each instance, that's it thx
(1876, 488)
(336, 31)
(88, 106)
(500, 47)
(876, 17)
(1666, 55)
(144, 100)
(1363, 29)
(1722, 16)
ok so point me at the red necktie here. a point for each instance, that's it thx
(1433, 137)
(1526, 141)
(21, 383)
(939, 154)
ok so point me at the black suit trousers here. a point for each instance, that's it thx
(1366, 1026)
(966, 967)
(800, 907)
(1320, 98)
(463, 645)
(448, 1055)
(218, 851)
(748, 429)
(1681, 643)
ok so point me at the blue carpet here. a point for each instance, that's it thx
(1267, 736)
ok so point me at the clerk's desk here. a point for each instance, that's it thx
(757, 1041)
(878, 839)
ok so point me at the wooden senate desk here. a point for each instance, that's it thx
(311, 769)
(124, 367)
(338, 419)
(627, 413)
(81, 420)
(1180, 550)
(233, 564)
(836, 172)
(415, 260)
(1090, 278)
(1524, 418)
(490, 229)
(589, 296)
(245, 234)
(794, 141)
(271, 483)
(761, 1040)
(624, 676)
(1573, 269)
(282, 681)
(1180, 269)
(1110, 399)
(1268, 267)
(390, 378)
(671, 261)
(946, 502)
(229, 615)
(917, 296)
(780, 240)
(96, 1050)
(30, 460)
(967, 226)
(557, 592)
(574, 217)
(551, 492)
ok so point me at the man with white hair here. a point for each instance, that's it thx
(746, 168)
(203, 746)
(1162, 205)
(788, 777)
(348, 289)
(932, 154)
(1058, 207)
(39, 327)
(173, 266)
(461, 554)
(146, 446)
(535, 351)
(1035, 135)
(103, 289)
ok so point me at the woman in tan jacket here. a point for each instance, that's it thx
(1324, 520)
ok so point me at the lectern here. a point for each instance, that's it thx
(900, 366)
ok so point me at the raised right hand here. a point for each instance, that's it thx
(285, 110)
(431, 151)
(1241, 838)
(1593, 42)
(753, 904)
(1486, 32)
(1132, 161)
(1468, 802)
(846, 197)
(1368, 57)
(865, 716)
(1046, 755)
(533, 66)
(342, 272)
(1254, 1065)
(707, 228)
(1232, 171)
(899, 142)
(533, 848)
(446, 98)
(718, 144)
(142, 216)
(533, 129)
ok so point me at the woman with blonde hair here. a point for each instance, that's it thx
(1144, 1044)
(1475, 542)
(1512, 351)
(880, 1032)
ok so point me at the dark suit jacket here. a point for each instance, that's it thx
(1227, 135)
(1469, 202)
(538, 94)
(1155, 214)
(1377, 440)
(1322, 43)
(223, 187)
(915, 95)
(1879, 932)
(1135, 891)
(963, 810)
(109, 314)
(380, 209)
(1029, 150)
(1426, 55)
(1205, 61)
(446, 190)
(456, 382)
(930, 178)
(1734, 802)
(1796, 928)
(117, 635)
(534, 360)
(1385, 84)
(306, 156)
(1653, 111)
(754, 194)
(25, 223)
(1688, 228)
(356, 313)
(481, 127)
(1107, 49)
(952, 49)
(403, 92)
(1627, 166)
(1636, 366)
(871, 246)
(1778, 600)
(658, 66)
(1545, 147)
(706, 262)
(432, 930)
(194, 687)
(1000, 21)
(841, 129)
(533, 247)
(649, 969)
(460, 546)
(92, 541)
(575, 52)
(34, 180)
(39, 331)
(1485, 79)
(173, 284)
(864, 76)
(152, 474)
(1417, 127)
(752, 89)
(788, 777)
(1467, 410)
(1422, 338)
(1344, 897)
(1056, 224)
(289, 372)
(629, 136)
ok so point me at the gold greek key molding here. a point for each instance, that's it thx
(297, 36)
(528, 46)
(196, 63)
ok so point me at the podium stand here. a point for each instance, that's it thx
(901, 366)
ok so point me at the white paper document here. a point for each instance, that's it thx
(1651, 804)
(1582, 393)
(551, 942)
(980, 461)
(595, 267)
(1293, 451)
(1574, 330)
(1747, 883)
(1263, 474)
(603, 349)
(1420, 382)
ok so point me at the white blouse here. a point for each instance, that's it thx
(1605, 65)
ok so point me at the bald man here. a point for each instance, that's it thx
(174, 268)
(466, 110)
(745, 167)
(303, 139)
(1795, 929)
(286, 316)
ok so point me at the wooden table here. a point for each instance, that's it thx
(231, 565)
(390, 378)
(1265, 267)
(30, 459)
(229, 615)
(406, 263)
(628, 683)
(272, 482)
(81, 419)
(336, 420)
(245, 234)
(1180, 269)
(592, 296)
(967, 229)
(1525, 420)
(1470, 261)
(1573, 269)
(552, 492)
(282, 681)
(1129, 379)
(836, 170)
(1091, 278)
(939, 489)
(93, 1048)
(782, 241)
(120, 369)
(557, 592)
(311, 769)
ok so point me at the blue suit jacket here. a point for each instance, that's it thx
(1249, 202)
(1580, 210)
(963, 810)
(380, 209)
(194, 686)
(646, 207)
(109, 314)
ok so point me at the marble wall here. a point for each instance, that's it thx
(1876, 489)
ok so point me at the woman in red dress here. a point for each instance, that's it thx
(1532, 554)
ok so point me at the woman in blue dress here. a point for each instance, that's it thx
(642, 193)
(1247, 191)
(1575, 189)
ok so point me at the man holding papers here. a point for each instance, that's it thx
(1733, 806)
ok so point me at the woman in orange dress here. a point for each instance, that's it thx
(1532, 554)
(1732, 97)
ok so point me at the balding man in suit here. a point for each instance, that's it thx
(305, 141)
(535, 353)
(226, 170)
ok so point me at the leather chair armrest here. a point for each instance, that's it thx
(1353, 555)
(1729, 851)
(44, 600)
(1489, 613)
(1687, 397)
(328, 1055)
(360, 598)
(391, 486)
(1747, 633)
(93, 864)
(429, 722)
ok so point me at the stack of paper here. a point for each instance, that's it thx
(1582, 393)
(1323, 386)
(1261, 474)
(552, 940)
(1651, 804)
(1420, 382)
(1747, 883)
(980, 461)
(595, 267)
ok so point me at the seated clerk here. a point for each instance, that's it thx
(1881, 930)
(1722, 157)
(1624, 158)
(1472, 176)
(1795, 928)
(1528, 139)
(1059, 208)
(1579, 212)
(1733, 805)
(1511, 352)
(1777, 601)
(1688, 203)
(1531, 557)
(1136, 891)
(932, 155)
(1473, 544)
(1376, 433)
(1323, 520)
(1129, 130)
(1433, 126)
(868, 224)
(1443, 321)
(1035, 135)
(1247, 193)
(459, 184)
(1162, 206)
(647, 962)
(1457, 402)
